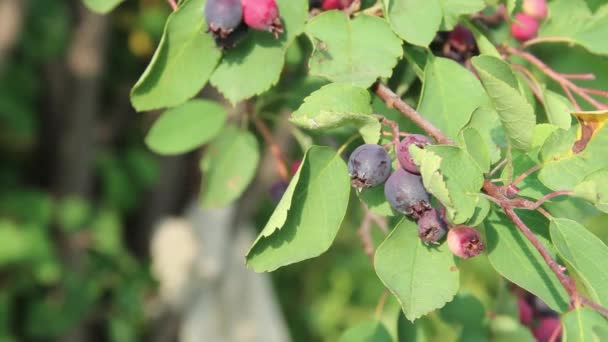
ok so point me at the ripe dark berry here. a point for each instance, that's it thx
(223, 17)
(525, 311)
(546, 329)
(369, 165)
(314, 4)
(262, 15)
(406, 194)
(461, 39)
(335, 4)
(431, 227)
(524, 27)
(465, 242)
(403, 152)
(535, 8)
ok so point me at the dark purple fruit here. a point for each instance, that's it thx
(406, 194)
(465, 242)
(431, 227)
(223, 17)
(277, 190)
(369, 165)
(403, 152)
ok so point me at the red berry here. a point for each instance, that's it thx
(403, 152)
(295, 166)
(535, 8)
(335, 4)
(465, 242)
(262, 15)
(524, 27)
(546, 329)
(526, 312)
(461, 38)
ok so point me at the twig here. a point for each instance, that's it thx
(557, 77)
(380, 305)
(545, 213)
(275, 149)
(365, 234)
(595, 306)
(401, 134)
(393, 101)
(394, 128)
(531, 80)
(526, 174)
(173, 4)
(571, 97)
(548, 197)
(588, 76)
(595, 91)
(497, 167)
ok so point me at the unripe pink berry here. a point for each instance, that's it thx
(535, 8)
(262, 15)
(526, 312)
(546, 329)
(465, 242)
(524, 27)
(335, 4)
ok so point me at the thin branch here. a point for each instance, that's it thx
(275, 149)
(545, 213)
(595, 306)
(557, 77)
(394, 128)
(526, 174)
(548, 197)
(595, 91)
(531, 80)
(498, 167)
(173, 4)
(393, 101)
(365, 234)
(571, 97)
(588, 76)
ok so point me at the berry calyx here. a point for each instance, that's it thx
(403, 152)
(335, 4)
(465, 242)
(406, 193)
(431, 228)
(369, 165)
(535, 8)
(233, 38)
(223, 17)
(546, 329)
(524, 27)
(262, 15)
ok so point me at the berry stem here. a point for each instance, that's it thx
(173, 4)
(393, 125)
(393, 101)
(563, 81)
(275, 149)
(547, 197)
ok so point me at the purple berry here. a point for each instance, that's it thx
(277, 190)
(403, 152)
(369, 165)
(406, 194)
(547, 328)
(223, 16)
(526, 314)
(465, 242)
(431, 227)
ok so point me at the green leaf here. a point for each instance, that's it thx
(581, 249)
(450, 95)
(102, 6)
(516, 259)
(453, 9)
(343, 48)
(558, 109)
(452, 176)
(255, 64)
(564, 169)
(73, 212)
(487, 123)
(369, 331)
(516, 114)
(485, 46)
(415, 21)
(475, 145)
(228, 166)
(507, 329)
(584, 325)
(594, 188)
(182, 63)
(411, 332)
(571, 21)
(336, 105)
(307, 219)
(374, 199)
(422, 278)
(186, 127)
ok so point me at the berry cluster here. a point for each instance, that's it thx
(538, 317)
(370, 165)
(526, 24)
(228, 20)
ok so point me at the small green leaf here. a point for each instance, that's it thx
(375, 200)
(487, 123)
(584, 325)
(309, 215)
(558, 109)
(453, 9)
(102, 6)
(182, 63)
(516, 113)
(450, 95)
(507, 329)
(369, 331)
(516, 259)
(255, 64)
(594, 189)
(422, 278)
(343, 48)
(581, 249)
(476, 146)
(415, 21)
(186, 127)
(228, 166)
(336, 105)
